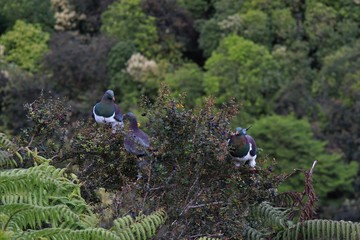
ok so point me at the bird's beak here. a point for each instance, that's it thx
(248, 127)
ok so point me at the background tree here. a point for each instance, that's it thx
(337, 89)
(25, 45)
(291, 142)
(242, 69)
(126, 21)
(175, 28)
(33, 11)
(296, 96)
(187, 79)
(77, 69)
(92, 11)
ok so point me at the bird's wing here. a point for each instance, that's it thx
(131, 145)
(93, 112)
(253, 145)
(142, 138)
(118, 114)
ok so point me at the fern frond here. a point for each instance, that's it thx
(68, 234)
(41, 185)
(253, 234)
(6, 159)
(287, 199)
(143, 228)
(274, 217)
(7, 149)
(322, 229)
(5, 143)
(22, 216)
(123, 222)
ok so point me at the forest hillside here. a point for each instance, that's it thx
(191, 71)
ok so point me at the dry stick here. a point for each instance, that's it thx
(205, 204)
(307, 211)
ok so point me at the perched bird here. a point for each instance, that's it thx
(106, 111)
(242, 147)
(135, 141)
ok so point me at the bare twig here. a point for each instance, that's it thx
(205, 204)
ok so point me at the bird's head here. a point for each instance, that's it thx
(109, 95)
(241, 131)
(131, 118)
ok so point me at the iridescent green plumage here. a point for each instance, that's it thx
(242, 147)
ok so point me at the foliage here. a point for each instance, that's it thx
(175, 28)
(282, 228)
(277, 220)
(73, 69)
(50, 119)
(44, 201)
(200, 9)
(292, 144)
(191, 171)
(118, 56)
(137, 77)
(296, 96)
(273, 56)
(92, 11)
(337, 89)
(189, 79)
(268, 221)
(6, 155)
(126, 21)
(255, 27)
(327, 29)
(19, 87)
(210, 36)
(66, 18)
(25, 44)
(284, 25)
(30, 11)
(242, 69)
(120, 81)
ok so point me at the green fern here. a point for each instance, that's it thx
(69, 234)
(143, 227)
(5, 143)
(274, 217)
(22, 216)
(271, 222)
(321, 229)
(43, 202)
(254, 234)
(40, 185)
(7, 149)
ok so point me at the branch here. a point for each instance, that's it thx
(313, 167)
(205, 204)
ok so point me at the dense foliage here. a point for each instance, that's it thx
(288, 68)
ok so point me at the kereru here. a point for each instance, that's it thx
(135, 141)
(106, 111)
(242, 147)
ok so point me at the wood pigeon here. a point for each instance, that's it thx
(135, 141)
(242, 147)
(106, 111)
